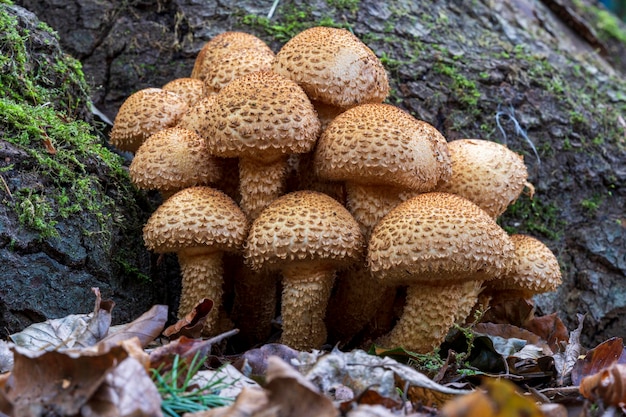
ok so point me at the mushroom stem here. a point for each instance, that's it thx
(306, 290)
(201, 272)
(260, 183)
(370, 203)
(429, 313)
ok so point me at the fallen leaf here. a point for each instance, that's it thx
(293, 395)
(496, 398)
(254, 361)
(191, 325)
(251, 401)
(117, 397)
(60, 382)
(608, 385)
(6, 356)
(550, 328)
(146, 327)
(73, 331)
(370, 397)
(565, 360)
(602, 356)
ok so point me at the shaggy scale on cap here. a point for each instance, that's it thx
(190, 89)
(333, 66)
(215, 49)
(173, 159)
(144, 113)
(235, 64)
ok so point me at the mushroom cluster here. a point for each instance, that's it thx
(292, 161)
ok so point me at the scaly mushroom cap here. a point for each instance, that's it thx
(333, 66)
(173, 159)
(438, 237)
(235, 64)
(303, 226)
(261, 116)
(196, 217)
(535, 269)
(190, 89)
(215, 49)
(143, 113)
(380, 144)
(195, 117)
(487, 173)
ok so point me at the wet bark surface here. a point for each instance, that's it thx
(545, 78)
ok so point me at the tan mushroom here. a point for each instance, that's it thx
(199, 224)
(443, 247)
(234, 64)
(535, 270)
(215, 49)
(384, 155)
(333, 66)
(173, 159)
(144, 113)
(487, 173)
(306, 235)
(260, 118)
(190, 89)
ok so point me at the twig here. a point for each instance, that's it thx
(6, 187)
(273, 9)
(510, 113)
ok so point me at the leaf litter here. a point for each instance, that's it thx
(509, 363)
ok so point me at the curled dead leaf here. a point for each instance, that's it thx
(608, 385)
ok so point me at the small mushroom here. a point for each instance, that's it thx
(535, 270)
(190, 89)
(173, 159)
(260, 118)
(306, 235)
(144, 113)
(333, 66)
(443, 247)
(199, 224)
(219, 46)
(487, 173)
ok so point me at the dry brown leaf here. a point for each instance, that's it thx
(250, 401)
(127, 391)
(73, 331)
(191, 325)
(550, 328)
(146, 327)
(608, 385)
(293, 395)
(60, 382)
(602, 356)
(565, 360)
(254, 361)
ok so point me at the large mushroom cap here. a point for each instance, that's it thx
(333, 66)
(535, 269)
(143, 113)
(438, 237)
(196, 217)
(262, 116)
(302, 226)
(235, 64)
(215, 49)
(487, 173)
(173, 159)
(380, 144)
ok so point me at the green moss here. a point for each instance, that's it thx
(349, 5)
(464, 89)
(534, 217)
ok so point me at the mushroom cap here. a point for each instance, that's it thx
(535, 269)
(196, 217)
(143, 113)
(195, 117)
(300, 227)
(487, 173)
(173, 159)
(438, 238)
(333, 66)
(214, 50)
(380, 144)
(190, 89)
(263, 116)
(236, 63)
